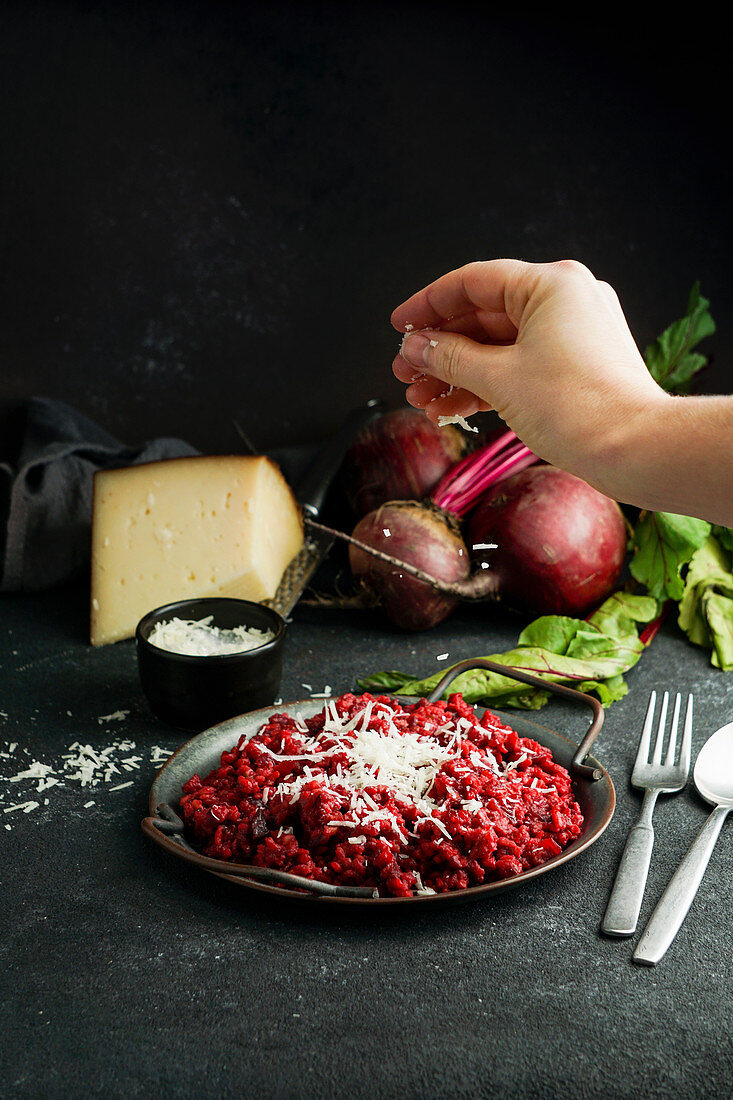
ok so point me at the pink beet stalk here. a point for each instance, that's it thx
(462, 486)
(650, 631)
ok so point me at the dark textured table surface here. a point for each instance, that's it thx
(124, 974)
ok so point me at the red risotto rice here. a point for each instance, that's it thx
(414, 798)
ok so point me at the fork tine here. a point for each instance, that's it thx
(669, 758)
(657, 754)
(686, 749)
(642, 753)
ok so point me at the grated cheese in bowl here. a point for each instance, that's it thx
(199, 638)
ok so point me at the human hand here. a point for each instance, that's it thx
(545, 345)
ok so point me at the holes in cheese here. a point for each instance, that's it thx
(215, 525)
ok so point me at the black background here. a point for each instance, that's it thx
(208, 210)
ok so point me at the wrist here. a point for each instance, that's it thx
(673, 454)
(631, 457)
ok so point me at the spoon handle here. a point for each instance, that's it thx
(672, 908)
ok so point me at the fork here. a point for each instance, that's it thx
(654, 777)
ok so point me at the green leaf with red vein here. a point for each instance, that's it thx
(663, 545)
(591, 655)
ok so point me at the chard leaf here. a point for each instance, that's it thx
(706, 607)
(671, 359)
(591, 655)
(663, 544)
(553, 632)
(608, 691)
(724, 535)
(618, 614)
(391, 682)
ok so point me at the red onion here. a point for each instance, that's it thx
(556, 544)
(400, 456)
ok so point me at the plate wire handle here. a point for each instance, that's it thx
(167, 821)
(578, 765)
(166, 829)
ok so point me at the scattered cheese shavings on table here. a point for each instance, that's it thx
(79, 766)
(37, 770)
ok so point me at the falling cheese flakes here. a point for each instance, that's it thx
(443, 421)
(325, 694)
(116, 716)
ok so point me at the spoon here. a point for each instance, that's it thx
(713, 777)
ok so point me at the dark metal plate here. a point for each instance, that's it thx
(596, 798)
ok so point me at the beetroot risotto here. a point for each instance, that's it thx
(411, 799)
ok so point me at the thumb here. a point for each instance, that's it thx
(454, 358)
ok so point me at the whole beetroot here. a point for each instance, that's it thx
(400, 456)
(555, 544)
(419, 535)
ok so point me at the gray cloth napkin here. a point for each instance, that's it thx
(49, 492)
(47, 505)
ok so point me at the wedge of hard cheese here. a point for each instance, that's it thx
(202, 526)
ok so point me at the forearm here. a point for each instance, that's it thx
(674, 456)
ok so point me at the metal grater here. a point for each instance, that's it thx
(311, 495)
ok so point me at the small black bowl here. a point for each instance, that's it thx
(193, 692)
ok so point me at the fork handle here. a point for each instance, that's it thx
(673, 906)
(622, 911)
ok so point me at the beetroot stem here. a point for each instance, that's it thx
(481, 456)
(651, 630)
(479, 586)
(513, 463)
(461, 488)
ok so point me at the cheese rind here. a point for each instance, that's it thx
(215, 525)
